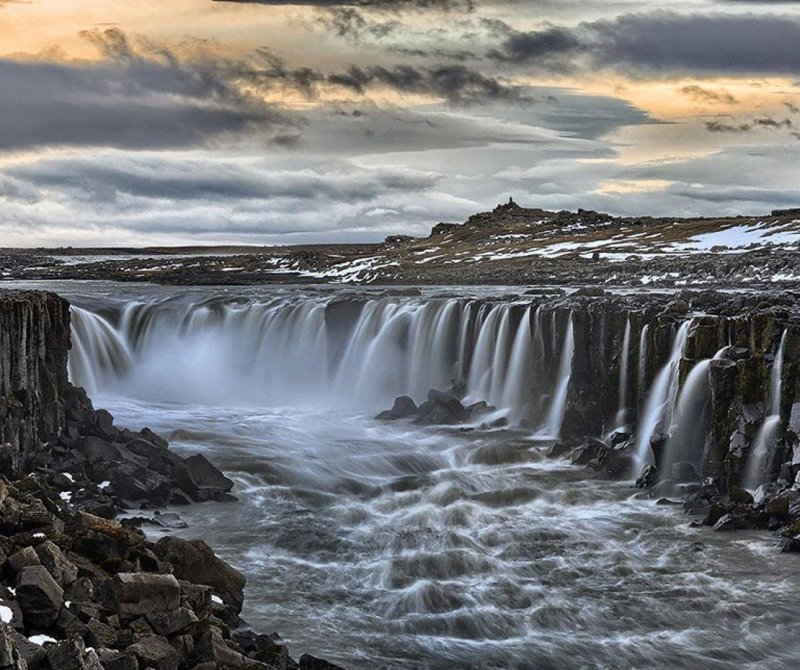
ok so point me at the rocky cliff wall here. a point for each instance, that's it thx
(34, 348)
(731, 342)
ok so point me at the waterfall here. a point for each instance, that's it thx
(687, 443)
(100, 355)
(558, 404)
(769, 431)
(660, 402)
(642, 379)
(275, 351)
(518, 387)
(622, 404)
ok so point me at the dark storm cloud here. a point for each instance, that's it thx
(455, 83)
(662, 43)
(122, 177)
(127, 100)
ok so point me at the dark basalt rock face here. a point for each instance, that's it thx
(34, 347)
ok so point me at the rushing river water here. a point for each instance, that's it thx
(387, 545)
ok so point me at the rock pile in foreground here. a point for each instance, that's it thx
(80, 592)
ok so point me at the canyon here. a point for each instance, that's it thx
(428, 476)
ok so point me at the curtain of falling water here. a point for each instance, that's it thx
(278, 351)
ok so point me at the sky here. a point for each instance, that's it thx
(276, 122)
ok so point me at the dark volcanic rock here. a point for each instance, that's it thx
(195, 562)
(403, 408)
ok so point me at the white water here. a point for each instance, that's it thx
(688, 441)
(643, 363)
(278, 351)
(768, 433)
(384, 546)
(558, 405)
(658, 409)
(622, 403)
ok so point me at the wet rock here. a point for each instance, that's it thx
(212, 649)
(308, 662)
(195, 562)
(728, 522)
(648, 479)
(265, 649)
(202, 480)
(403, 408)
(441, 409)
(588, 452)
(740, 496)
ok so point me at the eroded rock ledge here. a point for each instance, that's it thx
(78, 590)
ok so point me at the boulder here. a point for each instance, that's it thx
(198, 477)
(40, 597)
(62, 570)
(136, 594)
(173, 622)
(212, 648)
(155, 652)
(403, 408)
(308, 662)
(72, 655)
(23, 558)
(195, 562)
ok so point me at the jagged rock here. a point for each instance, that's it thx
(648, 478)
(100, 635)
(308, 662)
(201, 479)
(195, 562)
(114, 660)
(72, 655)
(137, 594)
(172, 622)
(211, 648)
(23, 558)
(728, 522)
(59, 567)
(403, 408)
(10, 656)
(740, 496)
(441, 408)
(155, 652)
(263, 648)
(588, 452)
(40, 597)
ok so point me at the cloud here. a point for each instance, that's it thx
(139, 96)
(765, 122)
(707, 95)
(385, 5)
(455, 83)
(662, 43)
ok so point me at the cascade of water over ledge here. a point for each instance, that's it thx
(768, 433)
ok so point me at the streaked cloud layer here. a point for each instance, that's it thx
(272, 121)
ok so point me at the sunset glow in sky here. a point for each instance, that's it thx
(197, 121)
